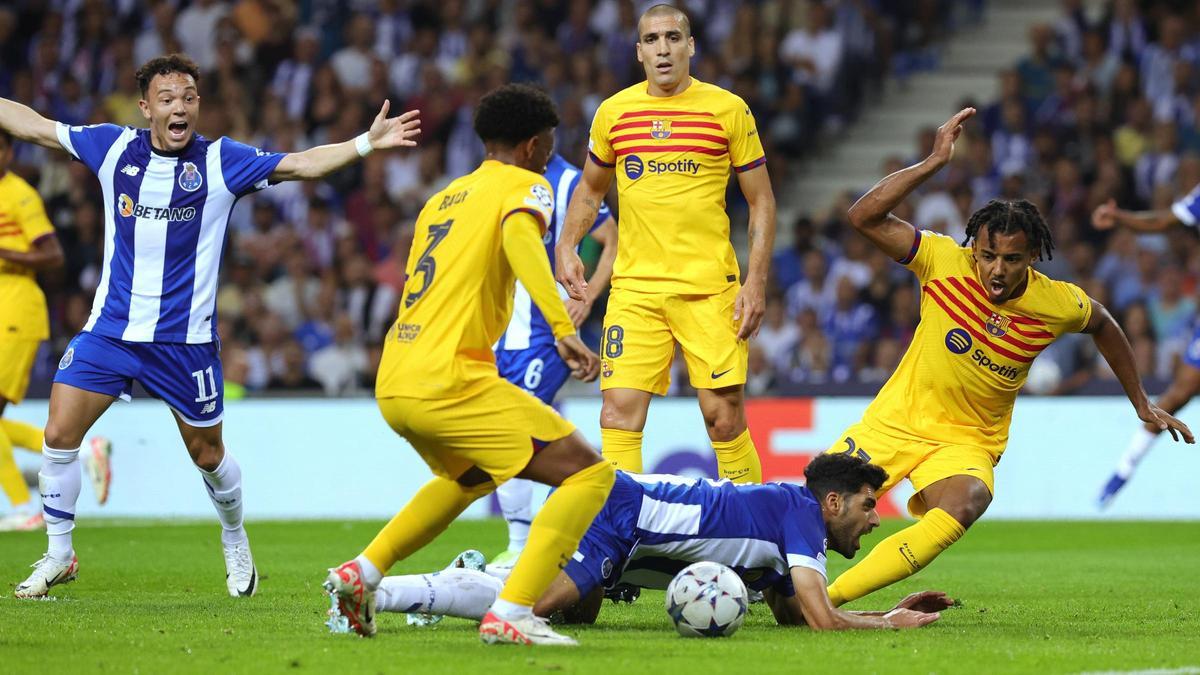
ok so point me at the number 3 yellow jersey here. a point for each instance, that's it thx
(673, 157)
(959, 378)
(459, 283)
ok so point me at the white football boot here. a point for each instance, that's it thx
(530, 630)
(22, 522)
(241, 577)
(99, 467)
(47, 572)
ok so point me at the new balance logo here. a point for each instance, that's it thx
(208, 407)
(130, 170)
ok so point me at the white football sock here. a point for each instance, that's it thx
(59, 482)
(372, 577)
(224, 486)
(516, 503)
(1139, 445)
(510, 610)
(462, 593)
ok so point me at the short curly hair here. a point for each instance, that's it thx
(841, 473)
(514, 113)
(165, 65)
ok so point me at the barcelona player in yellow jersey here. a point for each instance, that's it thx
(27, 244)
(672, 142)
(942, 419)
(438, 385)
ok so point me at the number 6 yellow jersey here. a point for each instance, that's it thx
(458, 290)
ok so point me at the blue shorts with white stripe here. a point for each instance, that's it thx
(186, 376)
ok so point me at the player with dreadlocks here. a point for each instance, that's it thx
(942, 419)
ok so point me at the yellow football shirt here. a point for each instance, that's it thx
(22, 222)
(458, 290)
(673, 157)
(959, 378)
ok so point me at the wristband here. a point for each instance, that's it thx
(362, 143)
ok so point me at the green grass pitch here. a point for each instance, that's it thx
(1043, 597)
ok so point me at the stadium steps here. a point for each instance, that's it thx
(969, 66)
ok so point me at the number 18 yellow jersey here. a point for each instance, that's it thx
(458, 291)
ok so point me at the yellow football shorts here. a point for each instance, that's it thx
(496, 428)
(16, 360)
(641, 329)
(922, 462)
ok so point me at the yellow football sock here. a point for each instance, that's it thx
(23, 435)
(898, 556)
(11, 480)
(426, 515)
(737, 460)
(622, 449)
(555, 532)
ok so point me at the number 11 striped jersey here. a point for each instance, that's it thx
(458, 291)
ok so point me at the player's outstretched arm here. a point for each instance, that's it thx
(1115, 349)
(606, 234)
(25, 124)
(1107, 216)
(810, 605)
(581, 213)
(751, 302)
(385, 133)
(871, 214)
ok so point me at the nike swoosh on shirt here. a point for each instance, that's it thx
(716, 375)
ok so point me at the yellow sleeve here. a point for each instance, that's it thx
(522, 243)
(929, 251)
(31, 213)
(599, 147)
(1072, 308)
(745, 145)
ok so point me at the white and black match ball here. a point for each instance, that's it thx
(706, 599)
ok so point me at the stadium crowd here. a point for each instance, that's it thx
(1102, 106)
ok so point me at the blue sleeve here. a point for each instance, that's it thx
(804, 535)
(1187, 210)
(245, 168)
(89, 144)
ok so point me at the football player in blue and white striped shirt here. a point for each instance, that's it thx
(775, 536)
(168, 193)
(526, 354)
(1186, 384)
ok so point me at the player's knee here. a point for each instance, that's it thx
(206, 453)
(969, 509)
(724, 423)
(60, 436)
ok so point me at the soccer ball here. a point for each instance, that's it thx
(706, 599)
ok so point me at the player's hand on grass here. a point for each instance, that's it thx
(749, 307)
(926, 602)
(907, 618)
(395, 132)
(578, 310)
(1105, 215)
(1159, 418)
(570, 273)
(943, 143)
(583, 362)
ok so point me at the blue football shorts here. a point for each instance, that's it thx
(186, 376)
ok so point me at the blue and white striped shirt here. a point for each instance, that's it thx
(1187, 209)
(165, 217)
(528, 326)
(760, 531)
